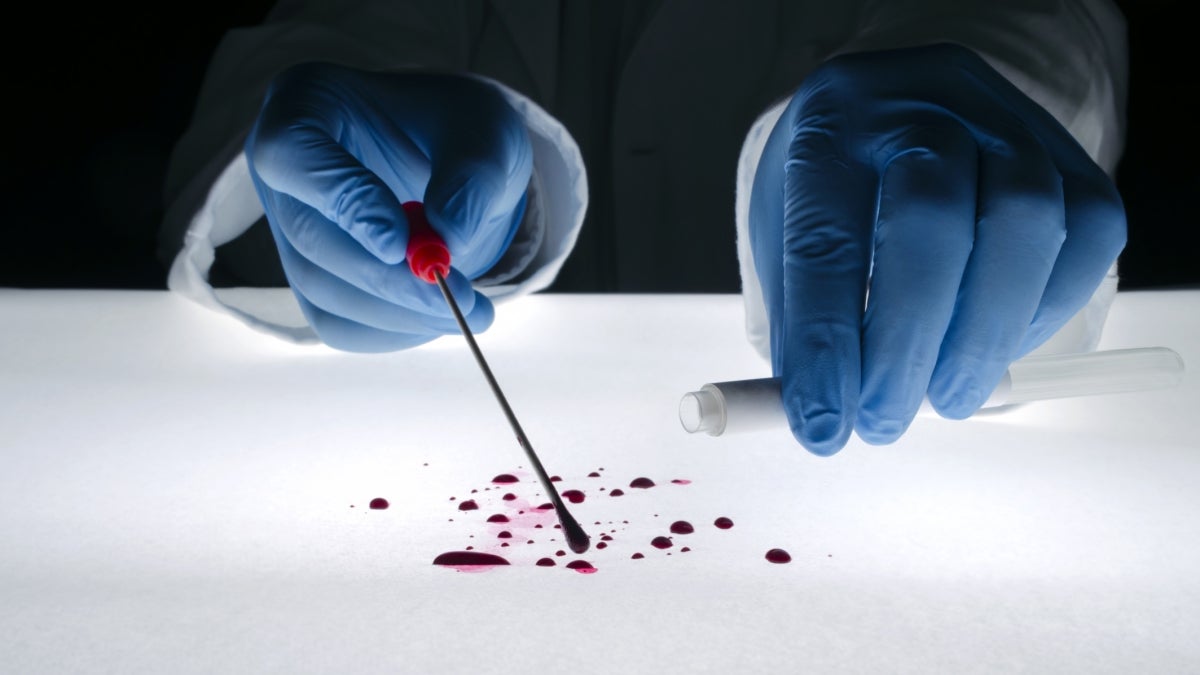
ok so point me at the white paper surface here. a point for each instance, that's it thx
(176, 491)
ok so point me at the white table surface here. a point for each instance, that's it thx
(176, 491)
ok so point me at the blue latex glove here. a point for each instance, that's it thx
(977, 222)
(333, 155)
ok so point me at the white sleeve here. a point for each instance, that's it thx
(211, 199)
(1070, 56)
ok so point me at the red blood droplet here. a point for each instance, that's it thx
(637, 556)
(642, 482)
(661, 542)
(555, 479)
(593, 475)
(506, 478)
(573, 496)
(504, 535)
(468, 561)
(682, 481)
(601, 544)
(723, 523)
(468, 505)
(605, 537)
(560, 553)
(546, 562)
(498, 518)
(379, 503)
(778, 555)
(617, 492)
(682, 527)
(508, 497)
(581, 566)
(545, 507)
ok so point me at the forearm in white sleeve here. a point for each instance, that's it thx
(1070, 56)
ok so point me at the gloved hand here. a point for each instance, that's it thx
(336, 151)
(976, 221)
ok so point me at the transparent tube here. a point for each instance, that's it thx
(749, 405)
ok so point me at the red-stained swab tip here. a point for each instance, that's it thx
(426, 251)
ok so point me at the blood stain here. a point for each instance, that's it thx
(469, 561)
(617, 492)
(505, 478)
(661, 542)
(778, 555)
(682, 481)
(573, 496)
(498, 518)
(642, 482)
(581, 566)
(723, 523)
(682, 527)
(468, 505)
(546, 562)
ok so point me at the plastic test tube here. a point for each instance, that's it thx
(751, 405)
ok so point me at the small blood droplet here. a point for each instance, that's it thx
(468, 505)
(661, 542)
(593, 475)
(723, 523)
(508, 497)
(545, 507)
(617, 492)
(504, 535)
(546, 562)
(498, 518)
(682, 527)
(581, 566)
(560, 553)
(641, 483)
(379, 503)
(637, 556)
(778, 555)
(555, 479)
(573, 496)
(601, 545)
(605, 537)
(506, 478)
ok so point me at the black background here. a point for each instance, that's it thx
(94, 100)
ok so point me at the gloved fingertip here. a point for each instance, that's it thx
(956, 395)
(879, 431)
(483, 315)
(823, 434)
(386, 242)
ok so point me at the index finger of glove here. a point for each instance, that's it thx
(300, 157)
(828, 222)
